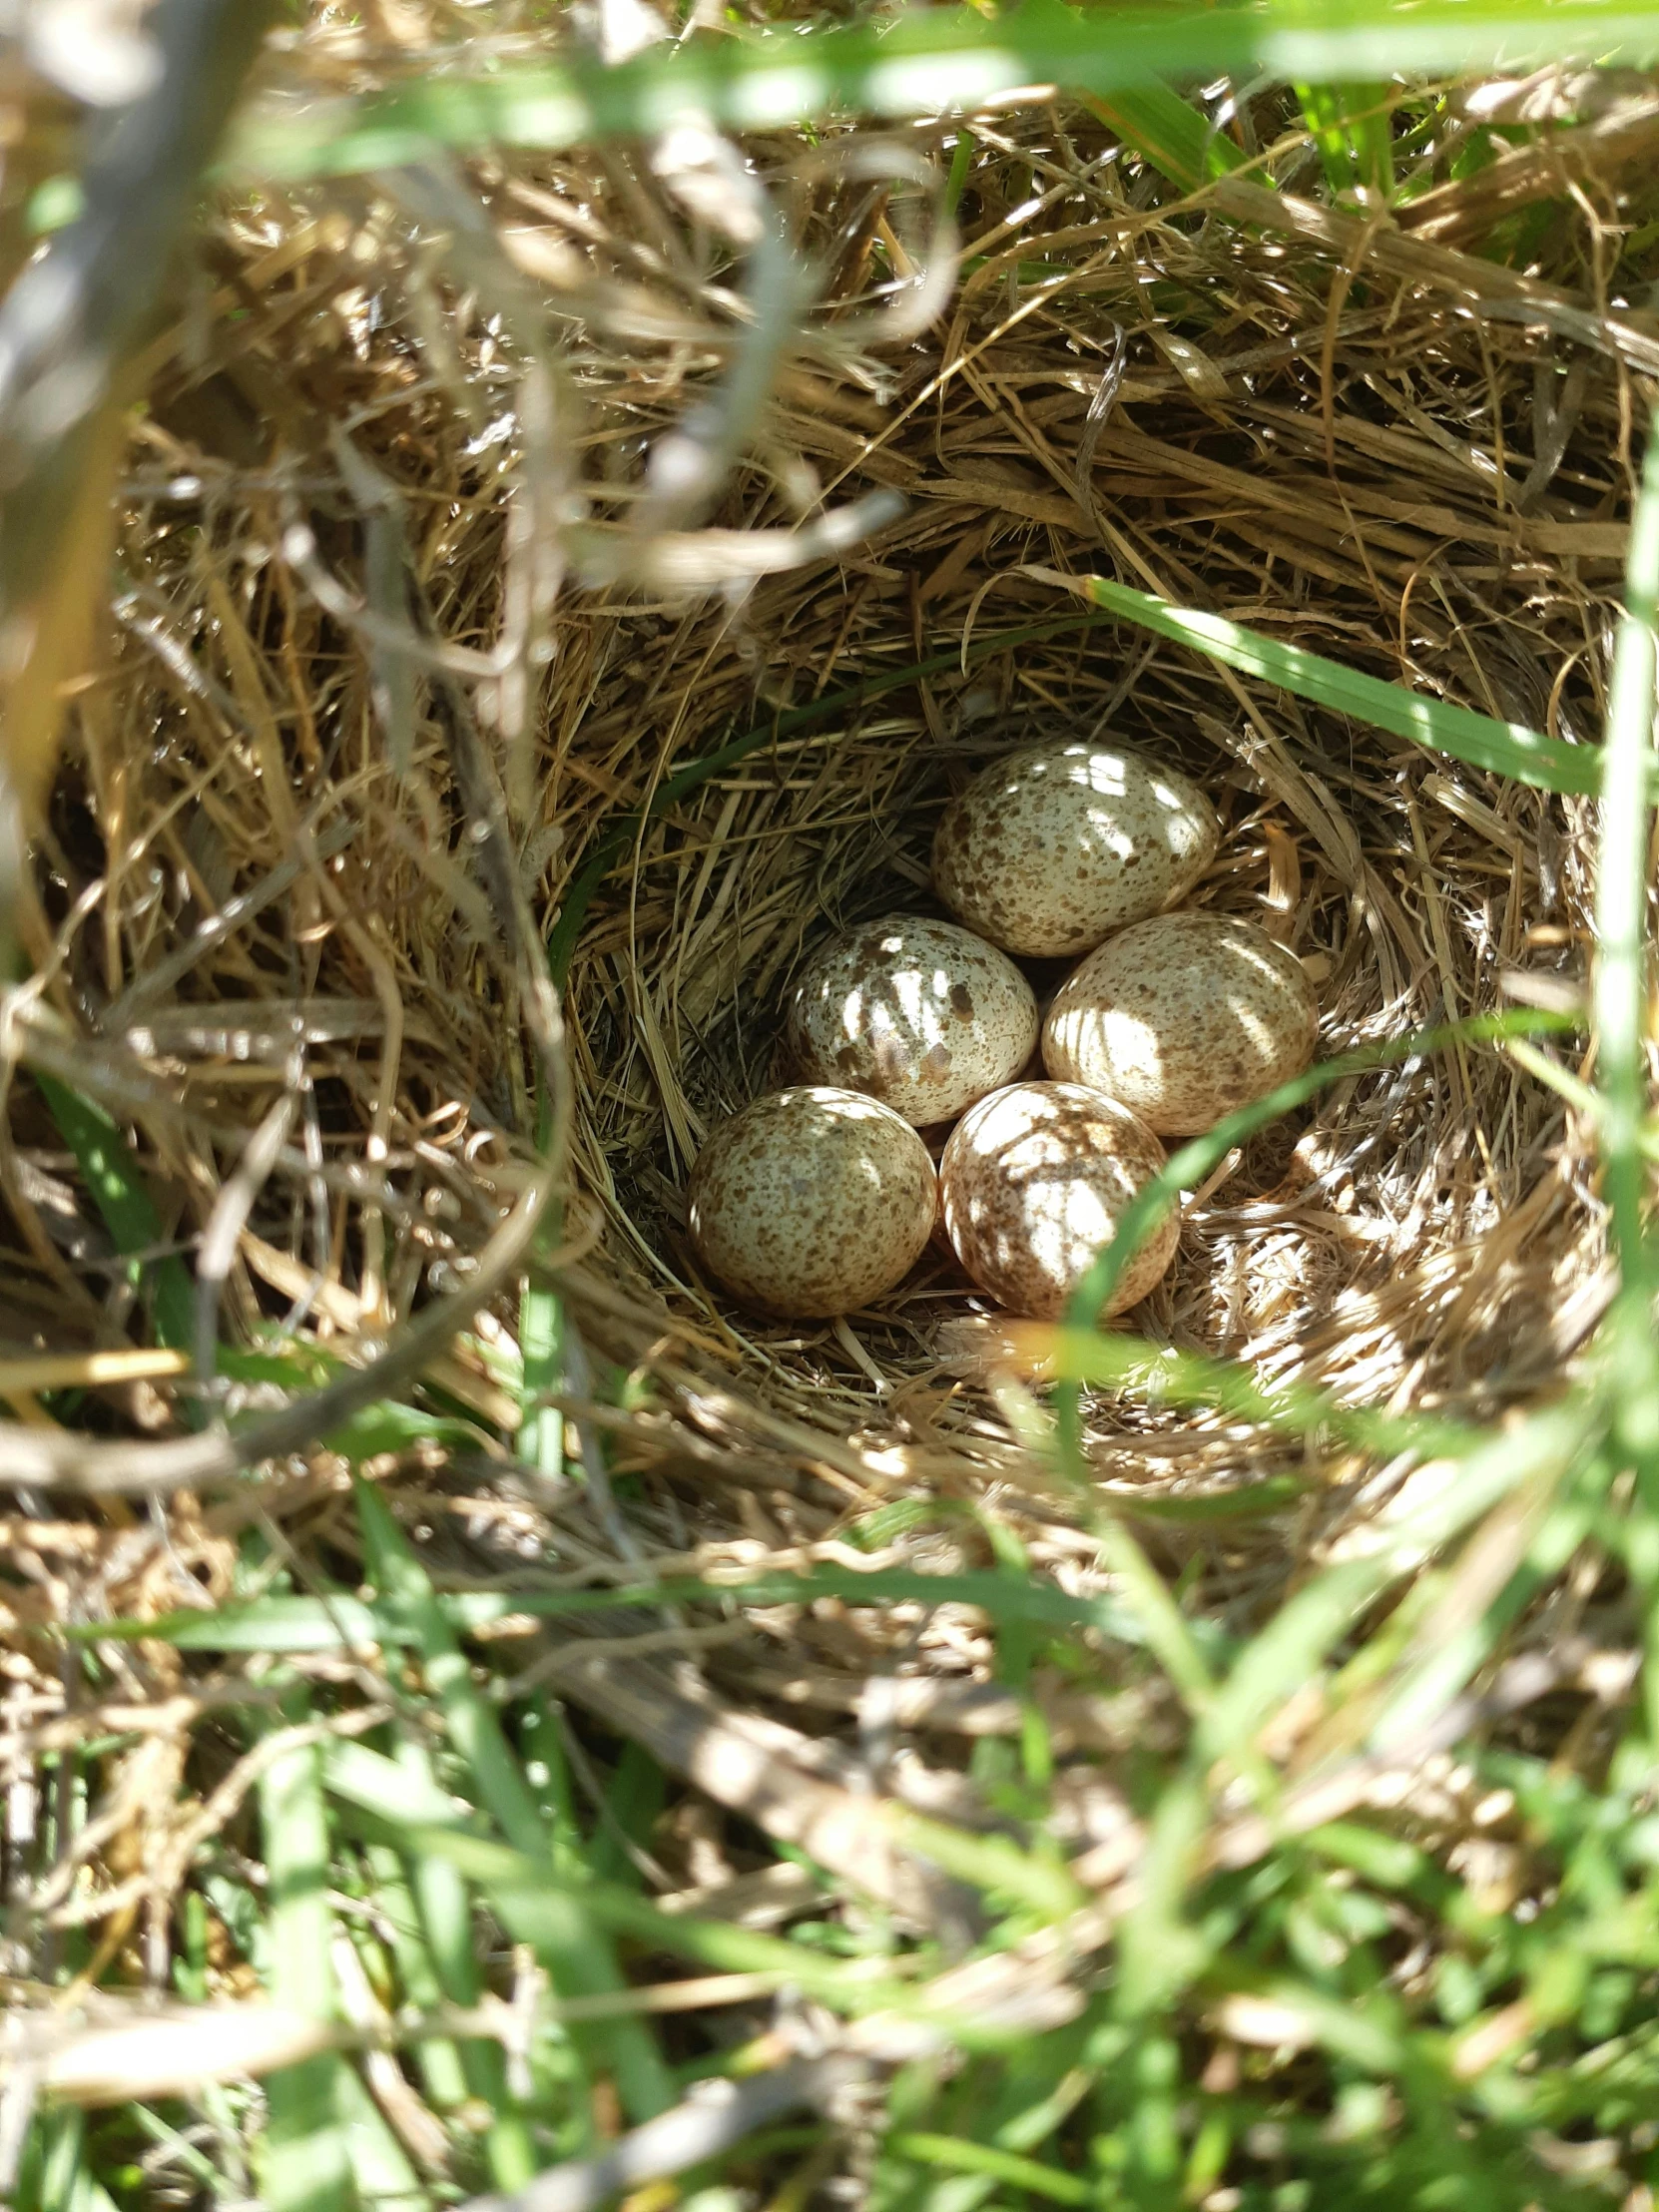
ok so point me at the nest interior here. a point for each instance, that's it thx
(260, 909)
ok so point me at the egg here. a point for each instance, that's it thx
(921, 1014)
(1054, 846)
(1184, 1019)
(1034, 1182)
(811, 1202)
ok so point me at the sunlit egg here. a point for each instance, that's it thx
(1034, 1183)
(1184, 1019)
(921, 1014)
(1055, 846)
(811, 1202)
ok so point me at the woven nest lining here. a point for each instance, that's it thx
(1419, 1237)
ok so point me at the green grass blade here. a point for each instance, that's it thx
(961, 161)
(523, 1898)
(527, 1902)
(1167, 131)
(295, 1625)
(541, 1338)
(581, 1962)
(66, 2182)
(1161, 1374)
(636, 1796)
(1432, 1677)
(929, 61)
(1503, 747)
(351, 1770)
(1258, 1500)
(447, 1919)
(180, 2150)
(307, 2161)
(993, 1864)
(1350, 126)
(955, 2154)
(407, 1594)
(437, 2059)
(1283, 1658)
(112, 1177)
(534, 1907)
(1160, 1951)
(383, 2179)
(425, 1903)
(1167, 1634)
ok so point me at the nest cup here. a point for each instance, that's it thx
(1333, 1246)
(1417, 1235)
(1422, 1229)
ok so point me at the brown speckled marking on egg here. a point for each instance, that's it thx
(921, 1014)
(1052, 848)
(1035, 1179)
(811, 1202)
(1184, 1019)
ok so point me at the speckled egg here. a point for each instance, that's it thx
(921, 1014)
(1035, 1179)
(1184, 1017)
(811, 1202)
(1056, 846)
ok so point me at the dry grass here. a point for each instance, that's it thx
(256, 886)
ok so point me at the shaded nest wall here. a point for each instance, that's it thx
(258, 874)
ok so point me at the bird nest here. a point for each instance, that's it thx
(373, 720)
